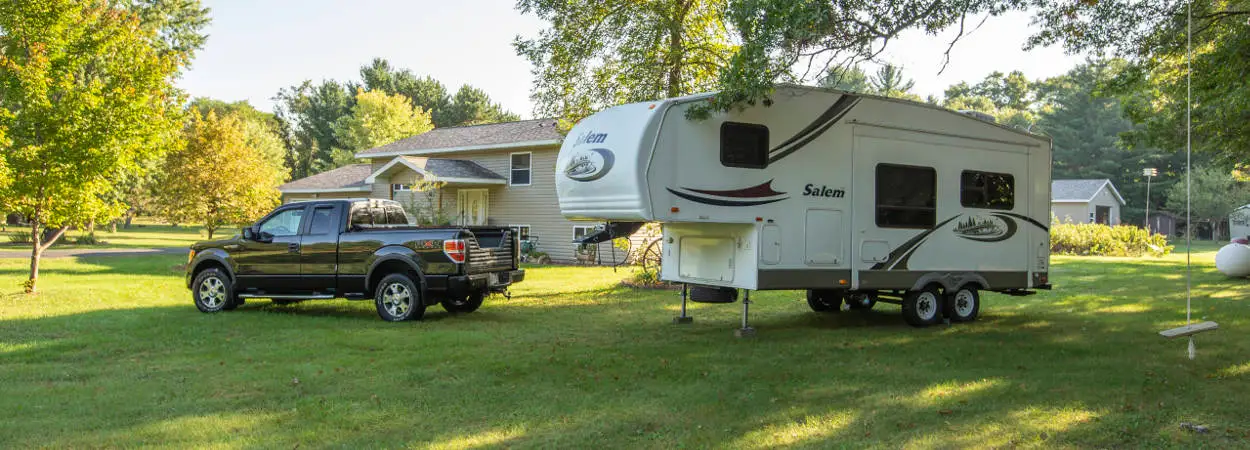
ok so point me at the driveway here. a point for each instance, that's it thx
(67, 252)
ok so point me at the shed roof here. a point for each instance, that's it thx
(1081, 190)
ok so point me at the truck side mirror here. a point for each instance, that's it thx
(248, 234)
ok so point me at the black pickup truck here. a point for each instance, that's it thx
(355, 249)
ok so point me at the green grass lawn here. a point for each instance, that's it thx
(113, 354)
(141, 234)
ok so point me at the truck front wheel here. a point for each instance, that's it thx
(398, 299)
(466, 304)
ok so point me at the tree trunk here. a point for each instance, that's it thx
(113, 226)
(210, 232)
(91, 227)
(675, 53)
(38, 246)
(129, 217)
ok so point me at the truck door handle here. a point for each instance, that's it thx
(292, 248)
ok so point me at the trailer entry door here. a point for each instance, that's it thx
(823, 236)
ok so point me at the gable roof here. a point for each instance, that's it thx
(449, 170)
(349, 178)
(1081, 190)
(525, 133)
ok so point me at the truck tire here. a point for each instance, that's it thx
(213, 291)
(824, 300)
(467, 304)
(398, 299)
(964, 305)
(923, 307)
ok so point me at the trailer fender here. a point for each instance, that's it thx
(950, 281)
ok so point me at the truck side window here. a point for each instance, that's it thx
(743, 145)
(361, 216)
(395, 215)
(322, 220)
(906, 196)
(285, 223)
(987, 190)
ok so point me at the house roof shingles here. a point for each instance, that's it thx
(489, 135)
(346, 177)
(1079, 190)
(453, 168)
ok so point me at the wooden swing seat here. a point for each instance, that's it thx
(1189, 330)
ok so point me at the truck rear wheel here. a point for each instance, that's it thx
(923, 307)
(398, 299)
(824, 300)
(466, 304)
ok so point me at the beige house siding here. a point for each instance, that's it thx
(535, 205)
(1106, 198)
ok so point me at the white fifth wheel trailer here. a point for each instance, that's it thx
(850, 197)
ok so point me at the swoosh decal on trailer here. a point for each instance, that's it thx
(900, 255)
(812, 131)
(1027, 219)
(721, 202)
(760, 191)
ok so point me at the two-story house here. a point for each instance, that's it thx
(499, 174)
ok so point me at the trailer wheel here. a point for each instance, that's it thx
(963, 305)
(862, 300)
(923, 307)
(824, 300)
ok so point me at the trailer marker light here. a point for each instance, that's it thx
(674, 209)
(652, 106)
(759, 219)
(454, 249)
(841, 281)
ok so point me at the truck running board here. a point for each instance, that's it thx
(289, 297)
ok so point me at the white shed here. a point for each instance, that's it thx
(1239, 222)
(1086, 201)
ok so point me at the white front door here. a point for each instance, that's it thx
(472, 206)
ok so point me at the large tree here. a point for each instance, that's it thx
(217, 179)
(377, 119)
(89, 97)
(1215, 193)
(307, 114)
(260, 129)
(598, 53)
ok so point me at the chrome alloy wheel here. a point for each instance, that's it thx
(213, 293)
(397, 299)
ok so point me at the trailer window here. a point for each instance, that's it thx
(906, 196)
(743, 145)
(987, 190)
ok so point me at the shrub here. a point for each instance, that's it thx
(88, 239)
(1103, 240)
(20, 237)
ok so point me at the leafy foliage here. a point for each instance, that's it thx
(1215, 193)
(851, 79)
(1095, 239)
(218, 180)
(597, 54)
(376, 119)
(307, 114)
(88, 98)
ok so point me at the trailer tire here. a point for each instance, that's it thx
(862, 301)
(963, 305)
(825, 300)
(923, 307)
(467, 304)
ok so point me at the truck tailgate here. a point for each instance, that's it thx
(490, 250)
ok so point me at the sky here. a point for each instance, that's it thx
(256, 48)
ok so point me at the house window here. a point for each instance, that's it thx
(584, 252)
(522, 232)
(743, 145)
(987, 190)
(519, 175)
(906, 196)
(401, 187)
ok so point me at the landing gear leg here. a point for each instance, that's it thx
(683, 319)
(746, 331)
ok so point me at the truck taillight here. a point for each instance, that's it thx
(454, 249)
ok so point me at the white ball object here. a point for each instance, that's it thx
(1233, 260)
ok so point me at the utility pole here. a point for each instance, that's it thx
(1149, 172)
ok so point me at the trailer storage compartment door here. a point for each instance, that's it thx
(823, 237)
(706, 258)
